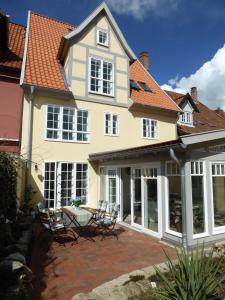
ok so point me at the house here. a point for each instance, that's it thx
(96, 125)
(196, 117)
(12, 38)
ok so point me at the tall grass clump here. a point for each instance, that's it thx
(193, 277)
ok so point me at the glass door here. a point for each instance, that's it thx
(112, 188)
(65, 183)
(136, 215)
(151, 207)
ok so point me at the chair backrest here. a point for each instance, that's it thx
(99, 204)
(115, 211)
(104, 206)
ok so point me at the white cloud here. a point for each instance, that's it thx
(209, 80)
(139, 9)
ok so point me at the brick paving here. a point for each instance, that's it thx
(64, 268)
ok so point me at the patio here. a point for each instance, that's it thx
(64, 269)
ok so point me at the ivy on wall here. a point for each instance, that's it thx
(8, 178)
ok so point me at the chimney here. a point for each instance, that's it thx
(194, 94)
(144, 59)
(4, 32)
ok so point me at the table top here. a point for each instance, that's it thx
(82, 215)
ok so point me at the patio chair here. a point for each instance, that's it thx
(108, 222)
(53, 225)
(100, 212)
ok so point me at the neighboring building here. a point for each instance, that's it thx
(220, 112)
(100, 127)
(196, 116)
(12, 38)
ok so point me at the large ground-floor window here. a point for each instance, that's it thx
(197, 187)
(64, 181)
(218, 185)
(174, 197)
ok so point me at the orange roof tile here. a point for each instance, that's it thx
(205, 119)
(42, 67)
(13, 57)
(158, 98)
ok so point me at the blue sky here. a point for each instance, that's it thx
(180, 35)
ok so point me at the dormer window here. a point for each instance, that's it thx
(186, 118)
(102, 37)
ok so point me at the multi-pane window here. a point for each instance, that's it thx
(186, 118)
(102, 37)
(81, 182)
(64, 181)
(53, 122)
(101, 77)
(218, 182)
(49, 184)
(197, 186)
(111, 124)
(67, 124)
(112, 190)
(174, 197)
(149, 128)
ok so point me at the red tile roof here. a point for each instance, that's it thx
(13, 57)
(157, 98)
(204, 120)
(42, 67)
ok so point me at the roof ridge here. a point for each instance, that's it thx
(53, 19)
(14, 23)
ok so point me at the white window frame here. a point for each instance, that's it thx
(57, 180)
(61, 130)
(102, 61)
(148, 130)
(186, 118)
(106, 44)
(111, 124)
(198, 171)
(168, 230)
(218, 229)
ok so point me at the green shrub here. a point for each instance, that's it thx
(194, 277)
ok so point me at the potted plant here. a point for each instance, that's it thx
(75, 203)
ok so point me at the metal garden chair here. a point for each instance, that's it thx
(108, 222)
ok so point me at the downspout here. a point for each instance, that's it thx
(29, 139)
(183, 198)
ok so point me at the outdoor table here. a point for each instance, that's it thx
(80, 217)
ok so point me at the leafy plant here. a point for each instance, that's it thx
(194, 277)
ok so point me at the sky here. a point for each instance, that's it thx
(185, 39)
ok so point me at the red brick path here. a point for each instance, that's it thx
(63, 270)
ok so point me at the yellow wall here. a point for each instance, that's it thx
(86, 47)
(130, 135)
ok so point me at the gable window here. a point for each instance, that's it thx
(111, 124)
(101, 77)
(186, 118)
(102, 37)
(67, 124)
(150, 128)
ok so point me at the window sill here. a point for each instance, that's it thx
(67, 141)
(103, 45)
(218, 230)
(101, 94)
(149, 138)
(111, 135)
(200, 235)
(178, 234)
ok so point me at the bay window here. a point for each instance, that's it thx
(67, 124)
(174, 197)
(218, 185)
(198, 205)
(101, 77)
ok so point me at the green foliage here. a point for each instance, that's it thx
(8, 178)
(194, 277)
